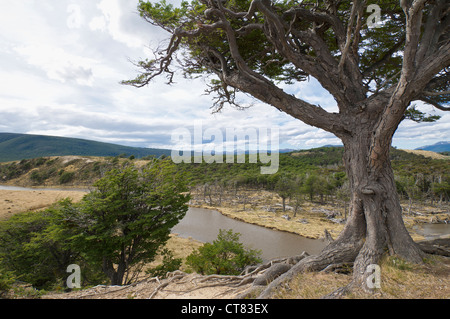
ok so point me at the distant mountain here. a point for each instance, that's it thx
(25, 146)
(443, 146)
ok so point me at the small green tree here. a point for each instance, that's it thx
(284, 187)
(27, 251)
(36, 247)
(441, 189)
(224, 256)
(128, 217)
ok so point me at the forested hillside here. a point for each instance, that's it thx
(316, 174)
(15, 147)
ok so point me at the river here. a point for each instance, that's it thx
(204, 225)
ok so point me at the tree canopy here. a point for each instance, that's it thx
(374, 71)
(247, 43)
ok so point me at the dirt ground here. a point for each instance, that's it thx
(179, 285)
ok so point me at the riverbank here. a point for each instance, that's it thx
(262, 208)
(265, 209)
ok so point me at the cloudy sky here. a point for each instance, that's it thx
(61, 62)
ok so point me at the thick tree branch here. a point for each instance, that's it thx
(413, 25)
(435, 104)
(269, 93)
(428, 43)
(320, 17)
(257, 85)
(413, 80)
(343, 87)
(352, 37)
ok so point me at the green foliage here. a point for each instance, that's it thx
(169, 264)
(66, 177)
(115, 229)
(34, 248)
(38, 177)
(7, 279)
(129, 215)
(224, 256)
(417, 116)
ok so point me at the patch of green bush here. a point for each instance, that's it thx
(224, 256)
(66, 177)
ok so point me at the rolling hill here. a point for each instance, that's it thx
(438, 147)
(25, 146)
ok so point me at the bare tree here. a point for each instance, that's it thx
(372, 73)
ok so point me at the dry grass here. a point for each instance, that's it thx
(399, 280)
(180, 247)
(314, 228)
(12, 202)
(430, 154)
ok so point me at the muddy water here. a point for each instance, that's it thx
(204, 225)
(430, 231)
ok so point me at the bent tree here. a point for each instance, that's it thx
(373, 71)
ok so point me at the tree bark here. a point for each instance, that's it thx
(374, 194)
(375, 223)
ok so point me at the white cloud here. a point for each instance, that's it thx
(112, 20)
(60, 67)
(76, 18)
(98, 23)
(58, 64)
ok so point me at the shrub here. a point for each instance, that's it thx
(38, 177)
(66, 177)
(224, 256)
(7, 278)
(31, 250)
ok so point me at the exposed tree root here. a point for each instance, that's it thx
(257, 276)
(333, 258)
(440, 246)
(166, 283)
(264, 280)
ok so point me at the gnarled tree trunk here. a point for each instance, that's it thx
(375, 204)
(375, 224)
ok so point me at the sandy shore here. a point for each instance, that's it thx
(15, 201)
